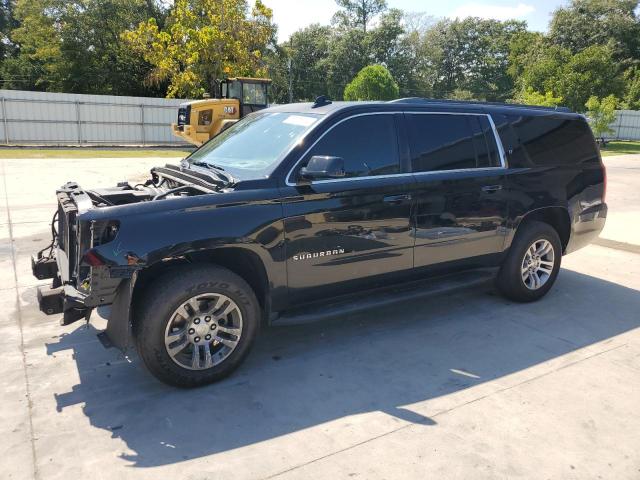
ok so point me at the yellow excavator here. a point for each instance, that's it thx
(200, 120)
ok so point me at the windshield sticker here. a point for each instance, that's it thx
(299, 120)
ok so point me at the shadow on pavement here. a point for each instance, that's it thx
(300, 377)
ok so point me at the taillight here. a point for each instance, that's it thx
(92, 258)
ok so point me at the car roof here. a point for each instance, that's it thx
(324, 107)
(311, 107)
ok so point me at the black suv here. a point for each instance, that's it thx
(309, 210)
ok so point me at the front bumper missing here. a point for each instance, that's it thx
(100, 286)
(70, 302)
(53, 301)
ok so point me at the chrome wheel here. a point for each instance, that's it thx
(203, 331)
(537, 264)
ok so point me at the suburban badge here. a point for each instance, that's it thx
(309, 256)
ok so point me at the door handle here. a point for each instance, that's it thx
(396, 199)
(491, 188)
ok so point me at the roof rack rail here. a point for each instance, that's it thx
(418, 100)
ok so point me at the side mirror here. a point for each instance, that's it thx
(322, 167)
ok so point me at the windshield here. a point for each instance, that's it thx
(251, 148)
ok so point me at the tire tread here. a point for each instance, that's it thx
(148, 332)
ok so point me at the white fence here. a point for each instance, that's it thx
(38, 118)
(626, 125)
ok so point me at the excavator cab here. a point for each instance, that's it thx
(200, 120)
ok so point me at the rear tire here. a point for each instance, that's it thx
(196, 325)
(532, 264)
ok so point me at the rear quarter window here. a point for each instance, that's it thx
(555, 140)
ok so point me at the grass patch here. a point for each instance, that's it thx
(620, 148)
(91, 153)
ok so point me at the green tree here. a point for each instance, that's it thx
(574, 78)
(75, 46)
(372, 83)
(391, 45)
(632, 93)
(358, 13)
(308, 50)
(584, 23)
(531, 97)
(348, 54)
(420, 76)
(525, 48)
(40, 61)
(7, 24)
(324, 59)
(471, 54)
(601, 114)
(204, 40)
(593, 71)
(460, 94)
(276, 61)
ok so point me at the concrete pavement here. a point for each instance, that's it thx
(623, 197)
(467, 385)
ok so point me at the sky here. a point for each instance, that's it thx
(291, 15)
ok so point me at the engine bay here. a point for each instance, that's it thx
(170, 181)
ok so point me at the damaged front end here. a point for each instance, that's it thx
(84, 275)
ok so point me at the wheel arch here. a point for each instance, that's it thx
(558, 217)
(242, 261)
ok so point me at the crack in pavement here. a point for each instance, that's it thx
(19, 318)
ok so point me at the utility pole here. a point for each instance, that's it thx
(290, 81)
(290, 65)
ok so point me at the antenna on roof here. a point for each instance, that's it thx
(321, 101)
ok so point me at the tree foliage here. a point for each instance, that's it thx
(154, 47)
(575, 78)
(531, 97)
(325, 60)
(358, 13)
(75, 46)
(204, 40)
(584, 23)
(632, 93)
(373, 82)
(303, 61)
(471, 54)
(601, 114)
(7, 24)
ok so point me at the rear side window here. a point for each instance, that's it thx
(451, 142)
(554, 140)
(367, 144)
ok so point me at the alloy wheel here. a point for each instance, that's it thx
(203, 331)
(537, 264)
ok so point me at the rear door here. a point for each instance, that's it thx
(348, 234)
(461, 205)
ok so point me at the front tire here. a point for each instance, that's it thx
(532, 264)
(196, 325)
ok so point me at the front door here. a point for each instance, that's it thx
(353, 233)
(461, 205)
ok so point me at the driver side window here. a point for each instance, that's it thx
(367, 144)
